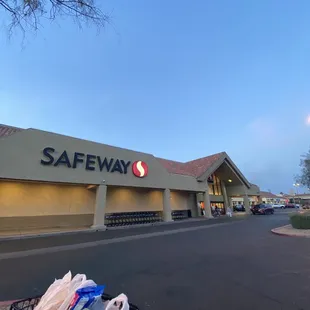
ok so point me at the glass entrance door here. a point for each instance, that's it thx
(219, 206)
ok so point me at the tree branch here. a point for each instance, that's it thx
(28, 12)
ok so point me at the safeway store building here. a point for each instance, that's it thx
(51, 181)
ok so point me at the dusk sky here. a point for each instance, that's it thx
(177, 79)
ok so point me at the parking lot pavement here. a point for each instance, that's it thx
(285, 211)
(238, 266)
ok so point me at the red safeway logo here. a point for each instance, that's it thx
(140, 169)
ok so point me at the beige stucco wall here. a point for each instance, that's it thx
(185, 182)
(136, 199)
(133, 200)
(216, 198)
(181, 201)
(239, 190)
(39, 199)
(254, 190)
(22, 152)
(252, 199)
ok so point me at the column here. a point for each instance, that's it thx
(167, 207)
(225, 197)
(199, 198)
(246, 202)
(207, 204)
(198, 210)
(100, 204)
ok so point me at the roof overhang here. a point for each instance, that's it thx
(224, 160)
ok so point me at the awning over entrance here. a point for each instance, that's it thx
(227, 171)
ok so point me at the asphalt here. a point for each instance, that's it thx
(239, 265)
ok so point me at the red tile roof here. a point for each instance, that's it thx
(8, 130)
(175, 166)
(192, 168)
(269, 195)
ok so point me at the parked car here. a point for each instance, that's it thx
(290, 206)
(278, 206)
(262, 208)
(239, 208)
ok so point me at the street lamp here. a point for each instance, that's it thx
(296, 185)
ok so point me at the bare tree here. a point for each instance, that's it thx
(25, 14)
(304, 177)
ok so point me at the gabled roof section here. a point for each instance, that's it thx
(193, 168)
(268, 195)
(6, 130)
(203, 167)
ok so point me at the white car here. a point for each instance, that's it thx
(278, 206)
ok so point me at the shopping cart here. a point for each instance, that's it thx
(30, 303)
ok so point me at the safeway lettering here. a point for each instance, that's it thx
(88, 161)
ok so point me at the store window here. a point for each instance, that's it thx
(219, 206)
(215, 188)
(210, 189)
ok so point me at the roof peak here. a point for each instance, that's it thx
(200, 158)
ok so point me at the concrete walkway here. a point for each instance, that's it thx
(14, 234)
(71, 238)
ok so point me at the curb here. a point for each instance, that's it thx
(282, 234)
(276, 232)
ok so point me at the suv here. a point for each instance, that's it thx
(262, 208)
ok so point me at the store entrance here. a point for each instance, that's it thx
(219, 206)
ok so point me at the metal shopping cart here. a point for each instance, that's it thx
(30, 303)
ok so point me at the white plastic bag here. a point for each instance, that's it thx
(114, 304)
(55, 294)
(79, 281)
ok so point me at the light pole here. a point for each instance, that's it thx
(296, 185)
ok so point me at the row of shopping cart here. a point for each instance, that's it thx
(180, 215)
(132, 218)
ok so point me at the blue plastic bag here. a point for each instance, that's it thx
(87, 297)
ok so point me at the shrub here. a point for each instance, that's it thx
(300, 220)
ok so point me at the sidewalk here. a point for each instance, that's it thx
(83, 236)
(15, 234)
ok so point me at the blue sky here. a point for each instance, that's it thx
(177, 79)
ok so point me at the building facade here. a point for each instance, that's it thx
(271, 198)
(51, 181)
(302, 199)
(254, 196)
